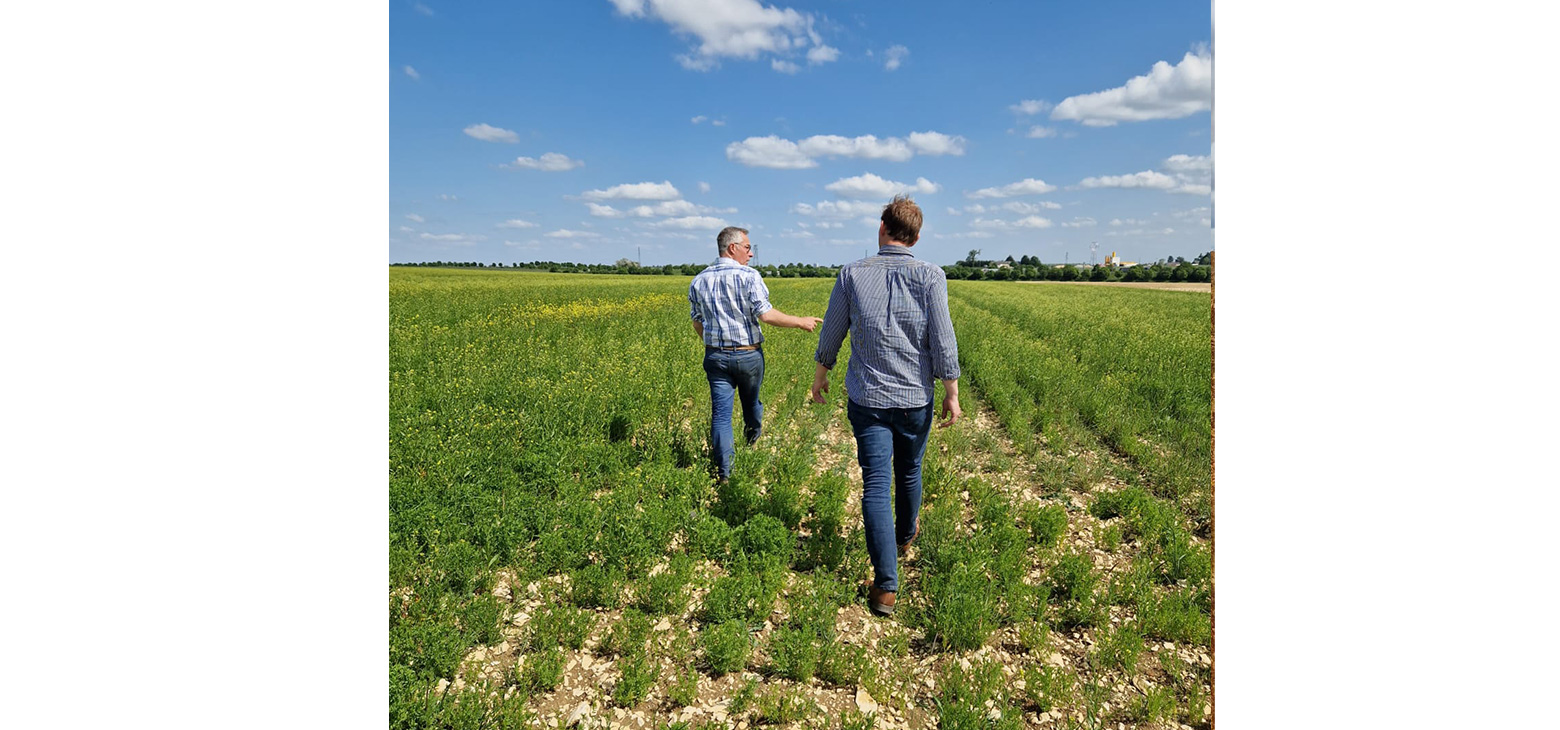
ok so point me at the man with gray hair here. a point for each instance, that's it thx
(728, 301)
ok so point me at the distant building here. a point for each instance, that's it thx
(1113, 260)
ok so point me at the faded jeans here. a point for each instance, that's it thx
(889, 445)
(730, 372)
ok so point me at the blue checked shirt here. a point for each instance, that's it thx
(895, 308)
(728, 298)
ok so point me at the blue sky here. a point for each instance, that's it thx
(603, 129)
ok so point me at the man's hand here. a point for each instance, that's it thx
(951, 410)
(820, 384)
(808, 323)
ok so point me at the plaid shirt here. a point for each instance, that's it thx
(728, 298)
(895, 308)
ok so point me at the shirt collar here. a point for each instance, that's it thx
(889, 250)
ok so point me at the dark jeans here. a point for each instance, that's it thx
(740, 372)
(889, 445)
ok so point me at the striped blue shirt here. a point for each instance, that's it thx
(895, 309)
(728, 298)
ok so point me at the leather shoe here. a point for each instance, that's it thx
(880, 601)
(906, 546)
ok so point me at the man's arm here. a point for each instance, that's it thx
(944, 347)
(778, 318)
(699, 328)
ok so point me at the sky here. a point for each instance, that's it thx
(599, 130)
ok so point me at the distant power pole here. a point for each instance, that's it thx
(639, 254)
(1093, 249)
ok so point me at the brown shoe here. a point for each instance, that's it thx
(881, 602)
(906, 546)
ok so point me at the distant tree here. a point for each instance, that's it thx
(1010, 260)
(626, 263)
(970, 260)
(1204, 260)
(1069, 273)
(1100, 273)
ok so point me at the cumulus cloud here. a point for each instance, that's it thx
(838, 209)
(1027, 186)
(896, 56)
(702, 222)
(741, 29)
(699, 118)
(407, 229)
(1081, 223)
(604, 211)
(635, 191)
(412, 72)
(822, 54)
(1039, 132)
(785, 67)
(1165, 92)
(414, 218)
(489, 133)
(452, 237)
(1189, 174)
(424, 9)
(1030, 107)
(936, 143)
(1144, 179)
(516, 223)
(549, 162)
(872, 187)
(784, 154)
(1033, 221)
(704, 187)
(1023, 208)
(673, 208)
(447, 196)
(566, 233)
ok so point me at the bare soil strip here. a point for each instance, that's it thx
(1204, 286)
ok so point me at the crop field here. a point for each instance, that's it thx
(560, 555)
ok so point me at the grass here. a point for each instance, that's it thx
(551, 429)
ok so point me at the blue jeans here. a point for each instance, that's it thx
(889, 444)
(740, 372)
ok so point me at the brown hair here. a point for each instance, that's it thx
(902, 220)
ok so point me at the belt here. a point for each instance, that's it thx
(739, 347)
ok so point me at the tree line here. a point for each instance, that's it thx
(1025, 268)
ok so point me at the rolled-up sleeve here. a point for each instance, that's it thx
(939, 329)
(758, 296)
(693, 306)
(836, 324)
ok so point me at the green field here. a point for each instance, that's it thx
(558, 549)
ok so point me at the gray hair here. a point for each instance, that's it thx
(728, 236)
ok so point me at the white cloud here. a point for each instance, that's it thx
(452, 237)
(1039, 132)
(635, 191)
(838, 209)
(412, 72)
(1027, 186)
(1144, 179)
(896, 56)
(827, 224)
(549, 162)
(488, 133)
(414, 218)
(1030, 107)
(771, 151)
(407, 229)
(1166, 92)
(1081, 223)
(699, 118)
(966, 234)
(872, 187)
(1201, 211)
(674, 208)
(1127, 222)
(866, 146)
(516, 223)
(1192, 189)
(785, 67)
(784, 154)
(604, 211)
(702, 222)
(1024, 208)
(566, 233)
(704, 187)
(447, 196)
(936, 143)
(424, 9)
(954, 211)
(1033, 221)
(719, 122)
(742, 29)
(524, 244)
(822, 54)
(1189, 164)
